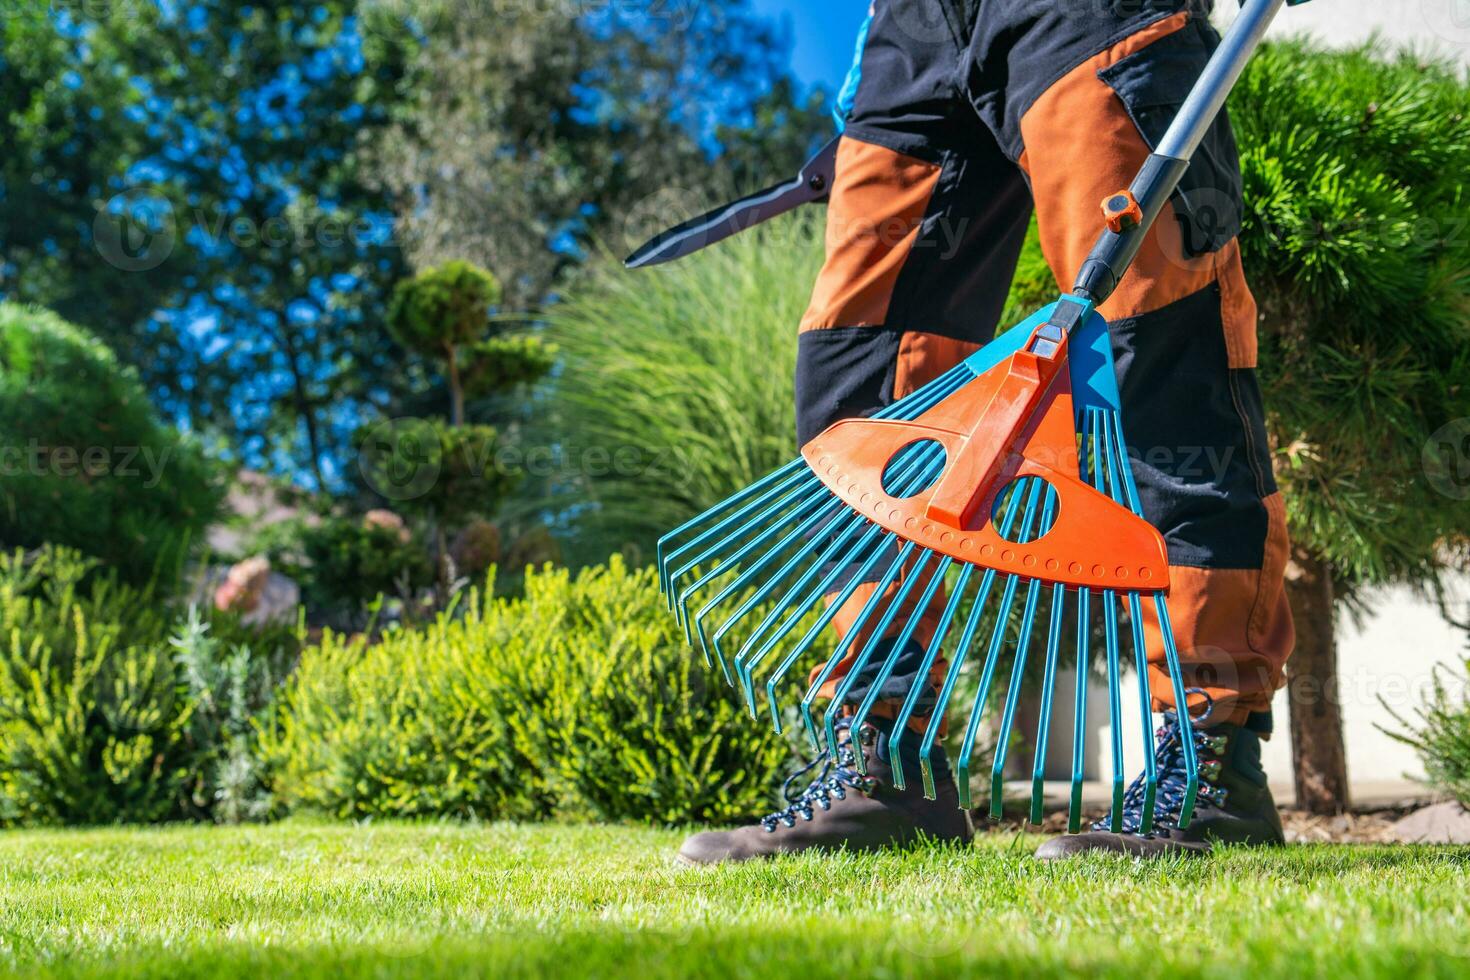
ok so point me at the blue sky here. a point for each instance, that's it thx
(824, 32)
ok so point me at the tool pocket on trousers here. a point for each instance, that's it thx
(1152, 84)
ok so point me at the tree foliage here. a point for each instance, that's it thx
(537, 128)
(185, 182)
(1357, 245)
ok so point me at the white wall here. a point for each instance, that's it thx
(1443, 25)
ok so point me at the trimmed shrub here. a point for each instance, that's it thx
(1442, 734)
(102, 718)
(86, 462)
(578, 699)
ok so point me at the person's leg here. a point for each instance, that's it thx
(1077, 97)
(923, 232)
(924, 227)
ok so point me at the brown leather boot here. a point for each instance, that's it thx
(843, 809)
(1234, 804)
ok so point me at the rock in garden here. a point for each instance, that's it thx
(259, 595)
(1443, 823)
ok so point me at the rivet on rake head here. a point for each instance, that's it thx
(866, 498)
(1008, 555)
(946, 537)
(928, 528)
(968, 544)
(1029, 561)
(1145, 574)
(1075, 568)
(1121, 572)
(1099, 571)
(911, 523)
(987, 550)
(1052, 564)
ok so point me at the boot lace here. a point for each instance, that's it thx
(1173, 777)
(837, 775)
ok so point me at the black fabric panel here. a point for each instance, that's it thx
(842, 372)
(908, 100)
(1152, 85)
(958, 275)
(1021, 47)
(1196, 434)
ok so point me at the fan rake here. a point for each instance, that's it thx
(760, 562)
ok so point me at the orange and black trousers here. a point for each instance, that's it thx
(971, 117)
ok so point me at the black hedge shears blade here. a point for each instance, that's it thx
(812, 184)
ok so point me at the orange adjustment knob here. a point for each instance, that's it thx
(1121, 211)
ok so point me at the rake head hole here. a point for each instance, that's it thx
(1025, 509)
(913, 469)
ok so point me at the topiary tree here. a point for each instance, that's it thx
(444, 312)
(454, 473)
(1357, 241)
(85, 460)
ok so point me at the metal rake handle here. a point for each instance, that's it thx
(1130, 213)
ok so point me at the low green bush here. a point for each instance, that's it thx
(85, 460)
(578, 699)
(1441, 733)
(112, 708)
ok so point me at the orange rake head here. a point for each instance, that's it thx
(948, 521)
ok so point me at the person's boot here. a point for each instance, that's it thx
(1234, 805)
(843, 809)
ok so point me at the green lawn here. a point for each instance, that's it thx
(311, 900)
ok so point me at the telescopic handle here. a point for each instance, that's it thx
(1131, 213)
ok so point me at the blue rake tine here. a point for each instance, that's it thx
(1023, 653)
(718, 509)
(916, 693)
(992, 657)
(879, 635)
(1171, 656)
(987, 675)
(1088, 465)
(813, 500)
(1115, 704)
(815, 630)
(762, 507)
(849, 641)
(1048, 688)
(1125, 494)
(1119, 475)
(936, 579)
(767, 490)
(931, 461)
(826, 512)
(846, 527)
(1181, 700)
(1013, 697)
(746, 663)
(967, 638)
(1079, 710)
